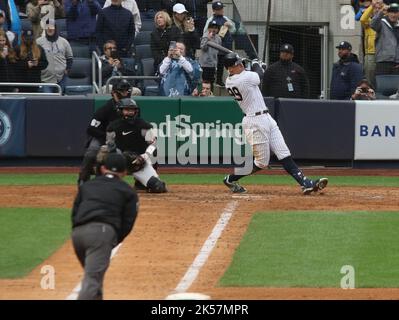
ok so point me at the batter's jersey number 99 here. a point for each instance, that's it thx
(235, 93)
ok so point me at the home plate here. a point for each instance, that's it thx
(188, 296)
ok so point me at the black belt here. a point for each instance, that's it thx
(259, 113)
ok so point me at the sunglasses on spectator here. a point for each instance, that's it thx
(110, 48)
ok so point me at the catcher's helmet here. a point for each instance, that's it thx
(121, 87)
(231, 59)
(128, 103)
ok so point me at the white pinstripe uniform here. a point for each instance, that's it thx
(261, 131)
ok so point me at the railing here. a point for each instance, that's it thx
(23, 84)
(95, 58)
(107, 84)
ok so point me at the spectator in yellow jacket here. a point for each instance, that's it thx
(369, 41)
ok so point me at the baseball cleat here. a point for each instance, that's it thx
(308, 186)
(234, 186)
(307, 190)
(320, 184)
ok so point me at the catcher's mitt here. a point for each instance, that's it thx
(134, 161)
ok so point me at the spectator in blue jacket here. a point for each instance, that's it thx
(81, 21)
(180, 74)
(346, 73)
(116, 23)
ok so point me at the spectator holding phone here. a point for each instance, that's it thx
(7, 62)
(183, 29)
(31, 61)
(364, 91)
(203, 89)
(180, 74)
(114, 65)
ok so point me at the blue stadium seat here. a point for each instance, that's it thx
(79, 80)
(147, 25)
(80, 50)
(61, 27)
(143, 37)
(151, 87)
(386, 85)
(143, 51)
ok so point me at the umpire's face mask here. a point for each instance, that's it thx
(118, 95)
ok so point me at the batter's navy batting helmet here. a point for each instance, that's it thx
(231, 59)
(128, 103)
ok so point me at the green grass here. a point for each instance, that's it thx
(28, 236)
(308, 249)
(70, 179)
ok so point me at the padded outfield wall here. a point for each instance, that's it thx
(205, 130)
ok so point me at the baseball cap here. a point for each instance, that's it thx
(115, 162)
(214, 23)
(393, 7)
(344, 45)
(2, 13)
(50, 24)
(217, 5)
(287, 48)
(179, 8)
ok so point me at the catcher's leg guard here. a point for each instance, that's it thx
(156, 186)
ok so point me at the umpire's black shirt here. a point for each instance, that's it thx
(106, 199)
(101, 119)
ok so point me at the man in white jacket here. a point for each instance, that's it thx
(130, 5)
(58, 53)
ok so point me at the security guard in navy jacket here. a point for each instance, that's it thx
(284, 78)
(103, 214)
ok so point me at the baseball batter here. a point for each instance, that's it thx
(260, 129)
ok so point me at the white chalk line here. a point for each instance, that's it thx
(75, 292)
(204, 253)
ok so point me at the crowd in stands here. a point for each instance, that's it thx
(40, 43)
(354, 79)
(171, 39)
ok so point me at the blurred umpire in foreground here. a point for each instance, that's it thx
(284, 78)
(103, 214)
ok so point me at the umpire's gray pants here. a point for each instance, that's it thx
(93, 243)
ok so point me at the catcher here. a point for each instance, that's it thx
(135, 138)
(97, 129)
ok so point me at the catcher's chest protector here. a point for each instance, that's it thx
(129, 136)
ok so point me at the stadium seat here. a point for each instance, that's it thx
(79, 79)
(387, 85)
(143, 51)
(147, 25)
(151, 87)
(61, 27)
(143, 37)
(80, 50)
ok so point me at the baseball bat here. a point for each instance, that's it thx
(218, 47)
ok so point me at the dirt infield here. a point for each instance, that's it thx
(170, 231)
